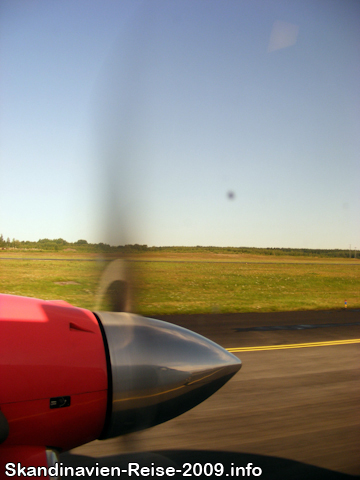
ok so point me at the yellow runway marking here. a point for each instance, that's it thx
(293, 345)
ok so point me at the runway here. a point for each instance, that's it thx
(293, 412)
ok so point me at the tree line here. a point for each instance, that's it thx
(59, 244)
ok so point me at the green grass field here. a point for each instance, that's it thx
(195, 283)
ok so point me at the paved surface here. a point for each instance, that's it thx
(295, 413)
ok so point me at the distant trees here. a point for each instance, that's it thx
(8, 243)
(61, 241)
(59, 244)
(137, 247)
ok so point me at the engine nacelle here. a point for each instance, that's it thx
(69, 376)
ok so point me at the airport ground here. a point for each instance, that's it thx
(187, 284)
(293, 412)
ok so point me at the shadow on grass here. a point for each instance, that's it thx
(271, 467)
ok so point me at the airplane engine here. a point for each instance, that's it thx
(69, 376)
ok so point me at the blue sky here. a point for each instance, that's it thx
(131, 122)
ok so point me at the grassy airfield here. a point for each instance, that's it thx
(174, 283)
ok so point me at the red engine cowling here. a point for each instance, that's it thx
(69, 376)
(53, 373)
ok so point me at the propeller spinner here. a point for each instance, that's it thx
(156, 370)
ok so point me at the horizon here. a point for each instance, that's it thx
(84, 242)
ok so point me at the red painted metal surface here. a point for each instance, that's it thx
(34, 456)
(48, 350)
